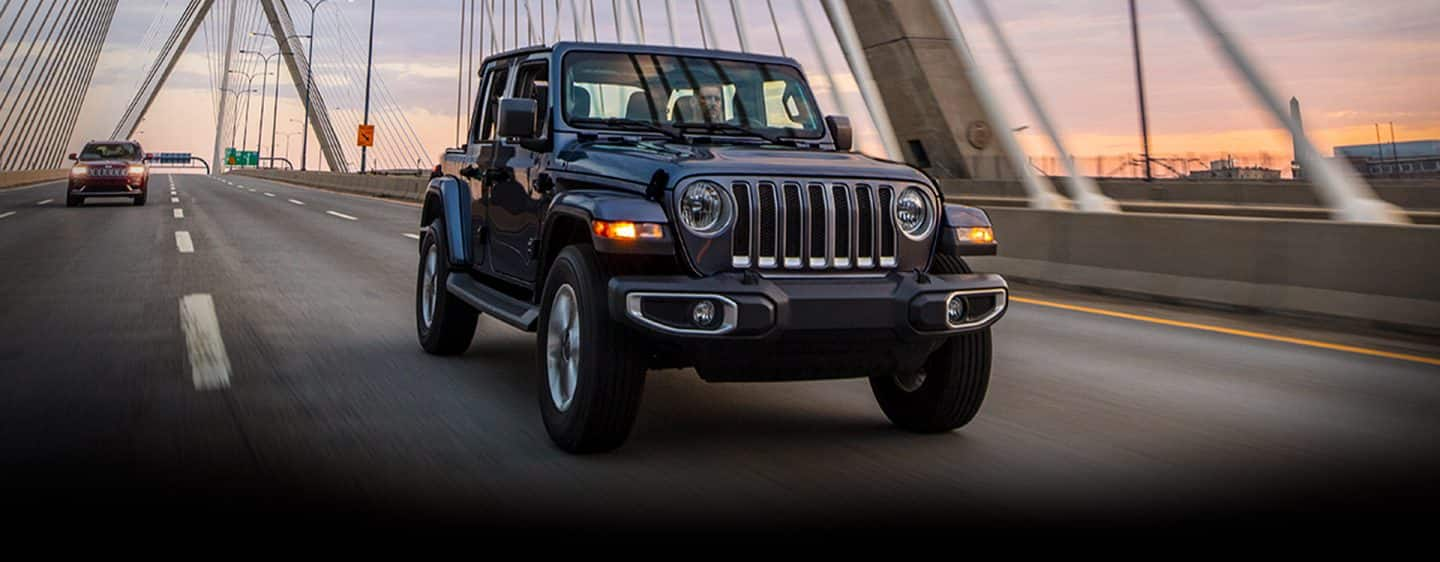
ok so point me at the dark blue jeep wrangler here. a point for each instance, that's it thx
(643, 207)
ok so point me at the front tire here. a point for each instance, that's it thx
(591, 376)
(444, 324)
(140, 201)
(73, 201)
(947, 391)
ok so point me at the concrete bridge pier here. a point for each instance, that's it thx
(943, 113)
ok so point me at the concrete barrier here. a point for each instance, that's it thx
(1378, 273)
(407, 188)
(1406, 193)
(28, 177)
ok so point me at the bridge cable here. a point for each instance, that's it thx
(48, 46)
(61, 136)
(154, 69)
(18, 126)
(32, 147)
(770, 5)
(405, 130)
(33, 41)
(19, 15)
(389, 108)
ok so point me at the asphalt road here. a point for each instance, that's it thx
(331, 408)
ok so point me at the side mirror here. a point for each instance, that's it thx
(73, 156)
(149, 157)
(840, 130)
(435, 173)
(516, 118)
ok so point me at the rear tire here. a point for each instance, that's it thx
(591, 377)
(947, 391)
(444, 324)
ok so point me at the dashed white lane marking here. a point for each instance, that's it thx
(252, 190)
(268, 194)
(209, 365)
(45, 202)
(183, 242)
(411, 235)
(341, 215)
(179, 213)
(301, 203)
(7, 215)
(174, 199)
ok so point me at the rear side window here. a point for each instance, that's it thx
(110, 151)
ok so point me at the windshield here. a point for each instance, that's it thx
(692, 94)
(115, 151)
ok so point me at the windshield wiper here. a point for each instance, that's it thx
(634, 124)
(736, 129)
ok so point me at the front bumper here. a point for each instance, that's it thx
(108, 187)
(910, 306)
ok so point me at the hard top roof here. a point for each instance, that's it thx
(566, 46)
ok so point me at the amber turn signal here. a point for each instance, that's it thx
(625, 230)
(981, 235)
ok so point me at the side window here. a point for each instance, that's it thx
(533, 81)
(494, 89)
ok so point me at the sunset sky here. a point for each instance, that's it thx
(1351, 64)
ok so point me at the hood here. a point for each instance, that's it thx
(108, 163)
(638, 162)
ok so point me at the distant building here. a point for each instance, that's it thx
(1227, 170)
(1402, 159)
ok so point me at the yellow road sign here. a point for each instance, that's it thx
(366, 136)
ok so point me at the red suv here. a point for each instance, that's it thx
(109, 169)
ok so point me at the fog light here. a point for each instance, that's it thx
(702, 314)
(955, 310)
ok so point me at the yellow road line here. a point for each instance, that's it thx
(1232, 331)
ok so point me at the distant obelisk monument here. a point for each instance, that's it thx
(1295, 170)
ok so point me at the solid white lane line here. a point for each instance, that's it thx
(45, 202)
(174, 199)
(268, 194)
(5, 215)
(411, 235)
(184, 243)
(179, 213)
(209, 365)
(301, 203)
(341, 215)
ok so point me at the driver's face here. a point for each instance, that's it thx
(713, 105)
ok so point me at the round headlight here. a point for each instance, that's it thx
(705, 208)
(913, 213)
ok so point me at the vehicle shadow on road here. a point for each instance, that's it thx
(683, 415)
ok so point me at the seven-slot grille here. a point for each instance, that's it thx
(108, 172)
(796, 224)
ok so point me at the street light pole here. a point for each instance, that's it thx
(265, 67)
(309, 85)
(1140, 89)
(369, 67)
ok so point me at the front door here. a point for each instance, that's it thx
(514, 201)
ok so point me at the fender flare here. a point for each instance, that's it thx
(449, 198)
(955, 222)
(587, 205)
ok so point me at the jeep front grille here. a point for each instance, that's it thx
(793, 224)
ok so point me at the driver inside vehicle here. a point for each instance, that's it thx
(707, 107)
